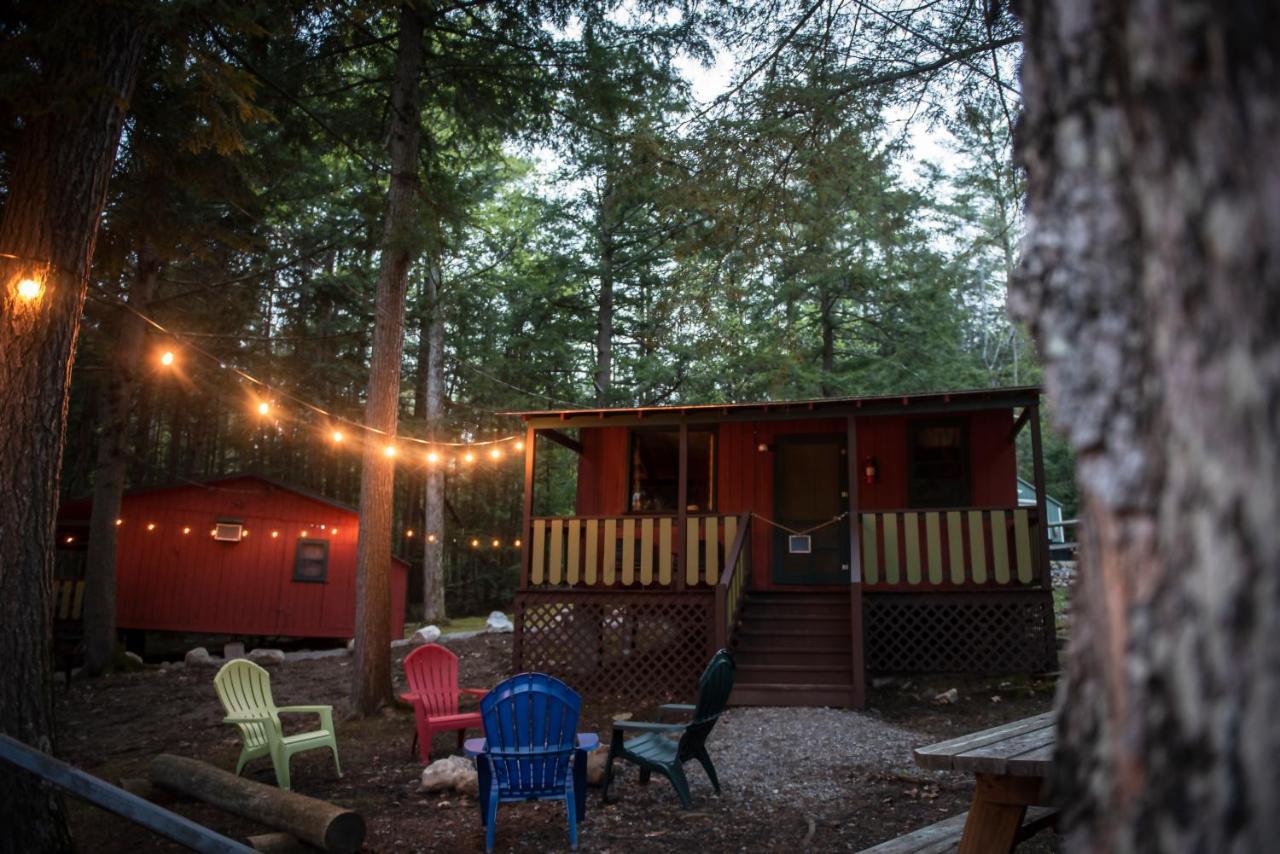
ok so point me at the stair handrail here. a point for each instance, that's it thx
(732, 585)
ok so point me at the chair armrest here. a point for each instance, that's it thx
(325, 713)
(247, 718)
(684, 708)
(646, 726)
(473, 692)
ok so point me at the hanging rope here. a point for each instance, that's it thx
(833, 520)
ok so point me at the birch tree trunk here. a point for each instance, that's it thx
(57, 187)
(1151, 279)
(109, 473)
(433, 604)
(371, 676)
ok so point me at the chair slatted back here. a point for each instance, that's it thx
(432, 674)
(530, 726)
(68, 600)
(243, 686)
(714, 687)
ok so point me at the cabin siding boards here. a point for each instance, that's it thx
(170, 581)
(744, 474)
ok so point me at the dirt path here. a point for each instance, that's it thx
(794, 779)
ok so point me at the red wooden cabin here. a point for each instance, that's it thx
(240, 555)
(700, 527)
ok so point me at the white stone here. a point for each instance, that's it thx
(427, 634)
(134, 657)
(453, 773)
(949, 697)
(267, 657)
(198, 657)
(498, 622)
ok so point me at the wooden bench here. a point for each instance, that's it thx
(68, 625)
(944, 837)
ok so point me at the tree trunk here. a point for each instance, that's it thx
(433, 604)
(604, 317)
(371, 676)
(57, 187)
(109, 473)
(1151, 280)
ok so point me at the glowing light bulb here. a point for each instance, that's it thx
(409, 533)
(389, 451)
(337, 436)
(304, 534)
(431, 538)
(30, 289)
(244, 533)
(433, 457)
(475, 544)
(119, 521)
(71, 539)
(186, 531)
(151, 526)
(333, 531)
(495, 454)
(264, 408)
(275, 534)
(497, 543)
(469, 457)
(516, 544)
(166, 358)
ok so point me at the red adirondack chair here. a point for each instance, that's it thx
(432, 674)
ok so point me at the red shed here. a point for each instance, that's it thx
(239, 555)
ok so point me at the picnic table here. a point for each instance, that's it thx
(1011, 764)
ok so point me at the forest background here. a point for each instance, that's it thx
(586, 232)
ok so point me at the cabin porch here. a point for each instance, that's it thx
(633, 603)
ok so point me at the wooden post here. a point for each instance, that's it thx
(855, 567)
(319, 823)
(526, 546)
(1042, 513)
(682, 508)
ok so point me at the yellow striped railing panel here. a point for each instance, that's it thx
(593, 547)
(977, 547)
(955, 547)
(556, 570)
(575, 542)
(691, 552)
(933, 541)
(1000, 546)
(539, 546)
(911, 522)
(870, 551)
(1022, 545)
(713, 549)
(890, 522)
(610, 551)
(628, 551)
(664, 551)
(646, 552)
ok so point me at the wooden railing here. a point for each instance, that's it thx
(628, 551)
(951, 548)
(733, 582)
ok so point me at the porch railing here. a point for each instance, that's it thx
(638, 552)
(733, 582)
(951, 548)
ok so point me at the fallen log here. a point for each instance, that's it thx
(319, 823)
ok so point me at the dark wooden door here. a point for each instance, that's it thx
(810, 486)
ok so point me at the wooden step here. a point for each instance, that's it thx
(751, 657)
(832, 610)
(792, 694)
(805, 674)
(760, 641)
(776, 598)
(813, 624)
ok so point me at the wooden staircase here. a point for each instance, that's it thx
(794, 649)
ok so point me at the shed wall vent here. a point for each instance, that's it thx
(228, 532)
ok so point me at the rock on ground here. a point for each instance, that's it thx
(267, 657)
(453, 773)
(498, 622)
(426, 634)
(199, 657)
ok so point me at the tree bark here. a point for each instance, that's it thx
(433, 603)
(1151, 280)
(57, 187)
(371, 676)
(109, 473)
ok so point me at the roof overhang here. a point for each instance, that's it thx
(829, 407)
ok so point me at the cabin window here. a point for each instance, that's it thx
(938, 464)
(654, 482)
(311, 563)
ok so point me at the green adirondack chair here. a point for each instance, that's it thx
(245, 691)
(659, 749)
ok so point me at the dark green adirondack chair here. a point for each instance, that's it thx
(658, 748)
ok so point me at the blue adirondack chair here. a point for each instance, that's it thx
(530, 728)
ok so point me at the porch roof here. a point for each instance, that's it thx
(965, 399)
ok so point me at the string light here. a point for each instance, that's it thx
(516, 544)
(186, 531)
(409, 533)
(244, 533)
(275, 534)
(119, 522)
(71, 539)
(337, 436)
(495, 454)
(433, 457)
(389, 451)
(475, 544)
(304, 535)
(431, 538)
(497, 543)
(264, 408)
(30, 289)
(166, 358)
(333, 531)
(519, 444)
(151, 526)
(469, 457)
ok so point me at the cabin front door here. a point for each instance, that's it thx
(810, 487)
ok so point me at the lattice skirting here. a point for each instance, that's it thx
(602, 643)
(1005, 631)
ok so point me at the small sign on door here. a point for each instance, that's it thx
(799, 544)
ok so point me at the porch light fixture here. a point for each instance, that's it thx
(870, 470)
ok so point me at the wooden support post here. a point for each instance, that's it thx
(855, 567)
(319, 823)
(682, 508)
(1042, 513)
(526, 546)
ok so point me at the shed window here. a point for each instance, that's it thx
(938, 467)
(655, 471)
(311, 563)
